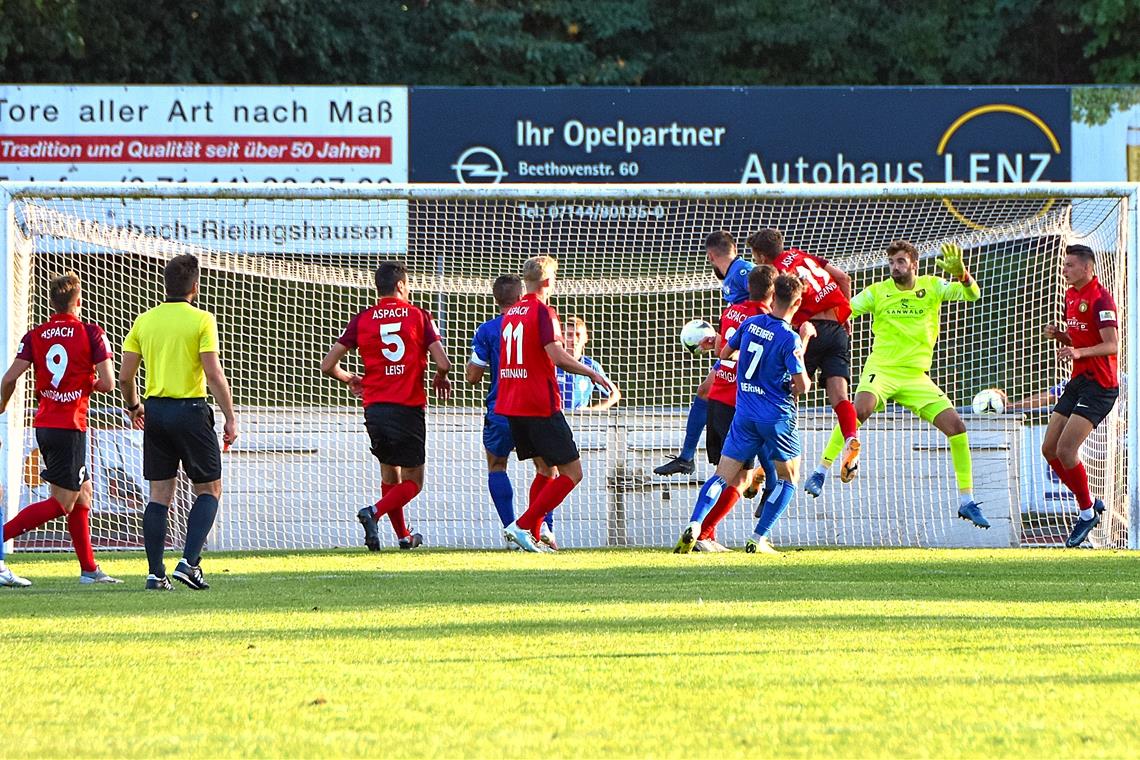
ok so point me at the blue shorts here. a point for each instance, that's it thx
(748, 438)
(497, 438)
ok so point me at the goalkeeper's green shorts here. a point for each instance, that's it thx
(912, 389)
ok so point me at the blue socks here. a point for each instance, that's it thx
(499, 484)
(707, 498)
(774, 506)
(694, 426)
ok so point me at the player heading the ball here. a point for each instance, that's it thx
(530, 347)
(395, 338)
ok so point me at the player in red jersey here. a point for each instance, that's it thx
(827, 305)
(1089, 338)
(394, 338)
(71, 358)
(529, 398)
(722, 402)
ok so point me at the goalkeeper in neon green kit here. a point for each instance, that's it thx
(906, 311)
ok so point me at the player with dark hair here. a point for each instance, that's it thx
(827, 305)
(1089, 338)
(770, 373)
(71, 359)
(395, 338)
(179, 344)
(530, 348)
(732, 270)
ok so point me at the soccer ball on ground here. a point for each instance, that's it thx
(694, 332)
(990, 401)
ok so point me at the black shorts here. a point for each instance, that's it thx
(718, 420)
(546, 437)
(64, 456)
(180, 431)
(398, 434)
(1086, 398)
(829, 351)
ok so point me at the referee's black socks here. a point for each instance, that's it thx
(198, 526)
(155, 519)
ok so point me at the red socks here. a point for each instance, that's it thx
(32, 516)
(79, 526)
(848, 419)
(728, 498)
(1076, 480)
(395, 498)
(547, 500)
(540, 482)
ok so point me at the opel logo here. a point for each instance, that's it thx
(479, 166)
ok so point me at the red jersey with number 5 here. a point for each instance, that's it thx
(821, 292)
(528, 386)
(724, 375)
(1087, 311)
(63, 352)
(393, 338)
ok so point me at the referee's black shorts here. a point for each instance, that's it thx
(546, 437)
(1086, 398)
(180, 431)
(829, 352)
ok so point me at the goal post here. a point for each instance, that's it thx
(286, 266)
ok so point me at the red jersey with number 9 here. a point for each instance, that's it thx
(820, 291)
(528, 386)
(63, 352)
(393, 338)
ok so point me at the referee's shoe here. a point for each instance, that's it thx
(190, 575)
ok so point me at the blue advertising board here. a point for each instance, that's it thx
(747, 135)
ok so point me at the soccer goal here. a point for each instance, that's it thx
(285, 267)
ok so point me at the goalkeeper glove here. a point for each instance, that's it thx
(951, 260)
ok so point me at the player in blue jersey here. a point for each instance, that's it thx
(497, 440)
(770, 373)
(732, 271)
(577, 391)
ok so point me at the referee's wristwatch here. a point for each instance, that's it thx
(134, 407)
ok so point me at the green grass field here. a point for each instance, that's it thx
(915, 653)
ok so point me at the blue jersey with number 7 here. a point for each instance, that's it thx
(769, 356)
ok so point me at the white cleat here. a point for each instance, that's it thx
(11, 580)
(760, 545)
(520, 538)
(96, 576)
(546, 537)
(719, 547)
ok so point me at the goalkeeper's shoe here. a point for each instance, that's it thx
(759, 545)
(155, 583)
(11, 580)
(814, 485)
(754, 485)
(676, 466)
(190, 576)
(412, 541)
(849, 460)
(546, 538)
(97, 576)
(1082, 529)
(972, 513)
(520, 538)
(688, 538)
(371, 536)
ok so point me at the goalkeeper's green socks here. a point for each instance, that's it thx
(963, 464)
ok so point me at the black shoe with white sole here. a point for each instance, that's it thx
(411, 542)
(191, 576)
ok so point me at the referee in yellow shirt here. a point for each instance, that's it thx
(179, 344)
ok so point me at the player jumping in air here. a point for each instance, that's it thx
(529, 350)
(394, 338)
(906, 310)
(71, 358)
(827, 304)
(770, 373)
(1088, 338)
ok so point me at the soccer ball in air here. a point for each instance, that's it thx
(989, 401)
(694, 332)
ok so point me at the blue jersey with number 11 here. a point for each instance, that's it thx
(769, 356)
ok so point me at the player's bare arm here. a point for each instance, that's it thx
(105, 376)
(475, 373)
(440, 383)
(1109, 346)
(220, 388)
(1059, 334)
(330, 366)
(563, 359)
(841, 279)
(801, 383)
(11, 377)
(129, 389)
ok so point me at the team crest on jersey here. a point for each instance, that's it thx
(1083, 307)
(920, 293)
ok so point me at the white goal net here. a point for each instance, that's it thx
(285, 268)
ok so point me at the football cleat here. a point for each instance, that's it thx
(412, 541)
(759, 545)
(97, 576)
(814, 485)
(154, 583)
(1081, 531)
(543, 548)
(190, 576)
(676, 466)
(718, 547)
(1098, 507)
(972, 513)
(520, 538)
(547, 537)
(755, 485)
(367, 519)
(688, 538)
(849, 460)
(11, 580)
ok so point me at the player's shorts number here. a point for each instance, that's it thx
(56, 363)
(394, 347)
(513, 337)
